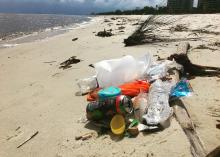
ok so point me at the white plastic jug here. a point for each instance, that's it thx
(119, 71)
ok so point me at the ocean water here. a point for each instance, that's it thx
(19, 28)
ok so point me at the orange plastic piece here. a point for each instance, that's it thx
(93, 96)
(132, 89)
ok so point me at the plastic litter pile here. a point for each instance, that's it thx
(129, 95)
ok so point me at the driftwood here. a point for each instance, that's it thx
(183, 116)
(190, 69)
(214, 153)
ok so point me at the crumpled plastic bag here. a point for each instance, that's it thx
(159, 110)
(116, 72)
(159, 70)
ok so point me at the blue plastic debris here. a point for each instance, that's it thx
(109, 92)
(182, 89)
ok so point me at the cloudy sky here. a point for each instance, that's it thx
(73, 6)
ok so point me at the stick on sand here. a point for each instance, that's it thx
(28, 139)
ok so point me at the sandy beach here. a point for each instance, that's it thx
(37, 96)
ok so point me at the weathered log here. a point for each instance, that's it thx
(183, 116)
(191, 69)
(214, 153)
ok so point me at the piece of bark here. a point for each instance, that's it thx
(183, 116)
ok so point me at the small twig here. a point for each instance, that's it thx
(84, 137)
(50, 62)
(17, 128)
(28, 139)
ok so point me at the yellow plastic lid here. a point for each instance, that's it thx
(118, 124)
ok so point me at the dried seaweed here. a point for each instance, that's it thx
(106, 20)
(104, 33)
(205, 47)
(67, 64)
(217, 44)
(120, 28)
(204, 31)
(179, 28)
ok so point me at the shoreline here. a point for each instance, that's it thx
(26, 37)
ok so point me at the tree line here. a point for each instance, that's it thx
(157, 10)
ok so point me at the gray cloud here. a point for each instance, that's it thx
(72, 6)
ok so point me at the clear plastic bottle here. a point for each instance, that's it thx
(159, 110)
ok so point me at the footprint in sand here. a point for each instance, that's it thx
(16, 134)
(57, 75)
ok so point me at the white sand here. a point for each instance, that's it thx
(38, 96)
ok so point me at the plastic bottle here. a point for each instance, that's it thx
(97, 110)
(159, 110)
